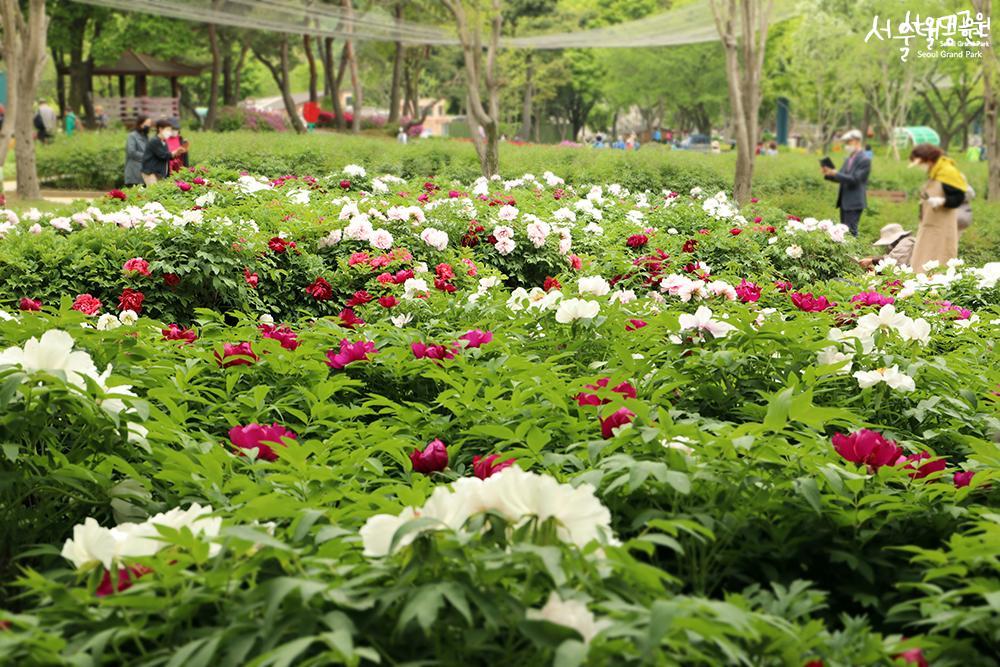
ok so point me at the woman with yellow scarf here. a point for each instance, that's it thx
(940, 197)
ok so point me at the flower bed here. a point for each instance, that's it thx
(355, 419)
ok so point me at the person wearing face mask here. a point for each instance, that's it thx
(156, 159)
(853, 180)
(940, 199)
(135, 149)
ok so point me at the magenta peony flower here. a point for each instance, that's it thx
(921, 470)
(183, 185)
(484, 466)
(360, 298)
(625, 389)
(174, 332)
(476, 338)
(198, 180)
(913, 656)
(618, 418)
(963, 478)
(866, 447)
(782, 285)
(434, 458)
(748, 292)
(125, 579)
(136, 265)
(320, 289)
(345, 184)
(349, 320)
(633, 324)
(284, 335)
(637, 241)
(425, 351)
(236, 354)
(86, 304)
(26, 304)
(349, 353)
(810, 304)
(252, 278)
(254, 436)
(871, 299)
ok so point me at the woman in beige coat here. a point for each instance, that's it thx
(940, 197)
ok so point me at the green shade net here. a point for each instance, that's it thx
(919, 134)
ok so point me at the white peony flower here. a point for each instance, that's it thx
(794, 251)
(505, 246)
(381, 239)
(507, 213)
(128, 317)
(53, 353)
(355, 171)
(414, 287)
(571, 614)
(891, 376)
(702, 321)
(830, 356)
(435, 238)
(571, 310)
(595, 285)
(107, 321)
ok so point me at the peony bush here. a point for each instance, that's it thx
(352, 419)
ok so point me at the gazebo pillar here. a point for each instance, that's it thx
(140, 85)
(121, 85)
(175, 87)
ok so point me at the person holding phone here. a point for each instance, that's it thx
(156, 159)
(853, 179)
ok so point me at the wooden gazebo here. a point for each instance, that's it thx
(142, 67)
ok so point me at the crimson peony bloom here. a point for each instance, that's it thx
(689, 246)
(279, 245)
(921, 470)
(618, 418)
(236, 354)
(345, 184)
(625, 389)
(131, 299)
(26, 304)
(136, 265)
(810, 304)
(637, 241)
(360, 298)
(283, 335)
(125, 579)
(963, 478)
(634, 324)
(183, 185)
(444, 285)
(117, 194)
(254, 436)
(575, 262)
(86, 304)
(252, 278)
(434, 458)
(349, 353)
(748, 292)
(476, 337)
(424, 351)
(402, 276)
(171, 279)
(444, 271)
(349, 320)
(485, 466)
(551, 284)
(782, 285)
(866, 447)
(198, 180)
(175, 332)
(388, 301)
(735, 231)
(320, 289)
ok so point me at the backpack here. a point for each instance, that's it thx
(39, 123)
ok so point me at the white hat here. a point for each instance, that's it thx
(851, 135)
(890, 234)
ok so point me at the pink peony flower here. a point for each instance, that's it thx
(871, 299)
(86, 304)
(963, 478)
(625, 389)
(575, 262)
(26, 304)
(865, 447)
(236, 354)
(434, 458)
(485, 466)
(913, 656)
(476, 337)
(349, 353)
(136, 265)
(810, 304)
(183, 185)
(255, 436)
(921, 470)
(748, 292)
(283, 335)
(424, 351)
(174, 332)
(618, 418)
(252, 278)
(320, 289)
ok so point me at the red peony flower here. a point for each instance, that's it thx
(388, 301)
(279, 245)
(348, 319)
(735, 231)
(349, 353)
(476, 338)
(485, 466)
(444, 271)
(131, 299)
(236, 354)
(634, 324)
(689, 246)
(256, 436)
(26, 304)
(86, 304)
(126, 576)
(866, 447)
(384, 278)
(920, 470)
(136, 265)
(444, 285)
(360, 298)
(183, 185)
(637, 241)
(575, 262)
(616, 419)
(402, 276)
(345, 184)
(171, 279)
(320, 289)
(284, 335)
(625, 389)
(252, 278)
(198, 180)
(963, 478)
(175, 332)
(810, 304)
(747, 292)
(551, 284)
(117, 194)
(434, 458)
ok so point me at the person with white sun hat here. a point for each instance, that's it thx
(898, 244)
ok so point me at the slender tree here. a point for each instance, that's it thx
(350, 53)
(397, 71)
(991, 105)
(213, 86)
(280, 71)
(24, 54)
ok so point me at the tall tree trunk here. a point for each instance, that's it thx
(280, 73)
(24, 56)
(991, 104)
(228, 99)
(213, 86)
(333, 81)
(397, 71)
(311, 60)
(529, 92)
(61, 70)
(238, 73)
(351, 54)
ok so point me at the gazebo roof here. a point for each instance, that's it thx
(131, 63)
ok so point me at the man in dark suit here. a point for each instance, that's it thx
(853, 180)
